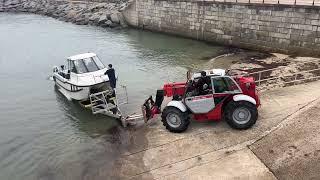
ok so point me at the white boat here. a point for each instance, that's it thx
(83, 75)
(83, 79)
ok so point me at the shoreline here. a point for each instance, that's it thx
(103, 14)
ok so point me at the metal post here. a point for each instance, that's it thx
(125, 88)
(313, 3)
(278, 2)
(295, 2)
(259, 78)
(295, 78)
(262, 1)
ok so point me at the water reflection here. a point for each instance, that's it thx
(173, 51)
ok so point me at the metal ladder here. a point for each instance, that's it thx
(104, 103)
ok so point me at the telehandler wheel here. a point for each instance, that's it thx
(175, 120)
(241, 114)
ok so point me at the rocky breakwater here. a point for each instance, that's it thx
(105, 14)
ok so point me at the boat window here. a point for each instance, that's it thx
(85, 65)
(72, 67)
(80, 66)
(98, 62)
(90, 64)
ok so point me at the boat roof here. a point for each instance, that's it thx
(81, 56)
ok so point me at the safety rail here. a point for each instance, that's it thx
(294, 76)
(289, 2)
(285, 2)
(258, 75)
(122, 95)
(265, 76)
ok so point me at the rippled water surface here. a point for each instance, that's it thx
(42, 135)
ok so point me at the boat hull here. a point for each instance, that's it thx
(72, 92)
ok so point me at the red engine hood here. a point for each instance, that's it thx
(248, 87)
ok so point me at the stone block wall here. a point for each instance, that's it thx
(277, 28)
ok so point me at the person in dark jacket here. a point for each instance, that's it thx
(204, 83)
(112, 76)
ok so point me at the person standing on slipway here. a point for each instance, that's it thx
(112, 77)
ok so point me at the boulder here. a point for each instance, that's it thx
(113, 25)
(56, 15)
(79, 21)
(33, 10)
(60, 8)
(71, 14)
(123, 22)
(123, 6)
(79, 18)
(108, 23)
(94, 17)
(62, 18)
(96, 6)
(103, 19)
(115, 18)
(108, 15)
(11, 3)
(32, 4)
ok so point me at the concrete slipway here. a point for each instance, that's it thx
(215, 151)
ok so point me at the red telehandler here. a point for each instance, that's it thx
(209, 95)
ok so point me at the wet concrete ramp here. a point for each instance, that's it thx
(214, 150)
(293, 150)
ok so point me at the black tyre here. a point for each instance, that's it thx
(175, 120)
(241, 114)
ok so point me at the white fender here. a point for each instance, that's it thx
(242, 97)
(178, 104)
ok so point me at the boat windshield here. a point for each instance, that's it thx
(85, 65)
(98, 62)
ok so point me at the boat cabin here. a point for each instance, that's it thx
(83, 70)
(84, 63)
